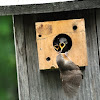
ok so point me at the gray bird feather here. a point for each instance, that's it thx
(63, 40)
(70, 75)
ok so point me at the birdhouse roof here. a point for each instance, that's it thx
(48, 7)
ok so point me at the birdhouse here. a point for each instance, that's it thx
(47, 34)
(38, 29)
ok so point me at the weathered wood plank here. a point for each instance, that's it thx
(92, 71)
(98, 35)
(32, 62)
(48, 7)
(22, 75)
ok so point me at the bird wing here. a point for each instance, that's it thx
(70, 65)
(71, 82)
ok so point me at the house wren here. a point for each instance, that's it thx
(70, 75)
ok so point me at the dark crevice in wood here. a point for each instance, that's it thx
(61, 15)
(80, 0)
(83, 68)
(26, 55)
(25, 38)
(32, 60)
(97, 37)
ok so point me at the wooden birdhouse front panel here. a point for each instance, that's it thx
(46, 32)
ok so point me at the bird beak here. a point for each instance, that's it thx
(56, 47)
(62, 45)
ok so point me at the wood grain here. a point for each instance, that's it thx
(98, 41)
(92, 71)
(34, 84)
(21, 62)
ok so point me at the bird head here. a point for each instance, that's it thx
(56, 47)
(62, 43)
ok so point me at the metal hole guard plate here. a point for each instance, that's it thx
(49, 30)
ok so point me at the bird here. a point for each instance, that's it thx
(70, 75)
(57, 47)
(62, 43)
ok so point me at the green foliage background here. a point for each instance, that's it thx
(8, 81)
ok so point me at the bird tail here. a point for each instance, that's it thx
(70, 89)
(71, 83)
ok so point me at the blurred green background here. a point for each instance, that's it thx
(8, 80)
